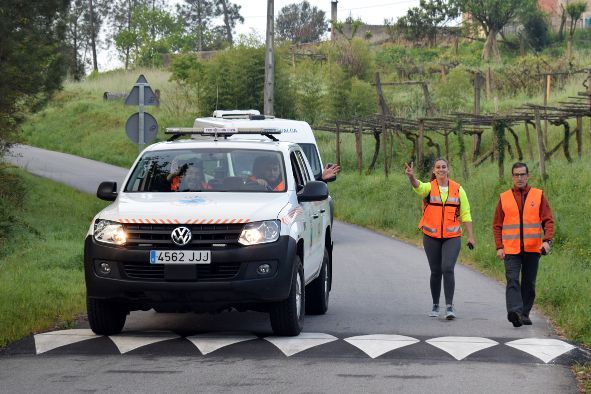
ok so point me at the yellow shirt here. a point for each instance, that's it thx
(424, 189)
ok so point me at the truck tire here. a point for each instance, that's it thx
(105, 318)
(287, 316)
(318, 291)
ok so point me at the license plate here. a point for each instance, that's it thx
(180, 257)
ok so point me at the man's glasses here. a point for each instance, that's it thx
(522, 175)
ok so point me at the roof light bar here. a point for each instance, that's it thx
(221, 130)
(177, 132)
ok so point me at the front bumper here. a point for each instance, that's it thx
(231, 280)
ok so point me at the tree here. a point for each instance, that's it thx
(492, 16)
(575, 11)
(425, 21)
(197, 16)
(153, 32)
(535, 27)
(84, 22)
(32, 64)
(122, 21)
(231, 15)
(300, 23)
(75, 37)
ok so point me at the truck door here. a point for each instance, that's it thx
(302, 177)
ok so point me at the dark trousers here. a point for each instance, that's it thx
(520, 295)
(442, 254)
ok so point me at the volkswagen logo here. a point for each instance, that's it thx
(181, 236)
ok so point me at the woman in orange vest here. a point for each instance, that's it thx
(523, 227)
(445, 209)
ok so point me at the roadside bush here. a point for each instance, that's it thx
(362, 98)
(453, 93)
(310, 92)
(12, 195)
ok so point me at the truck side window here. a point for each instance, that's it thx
(303, 166)
(297, 172)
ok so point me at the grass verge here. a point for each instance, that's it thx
(41, 267)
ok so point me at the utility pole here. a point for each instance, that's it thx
(269, 61)
(333, 19)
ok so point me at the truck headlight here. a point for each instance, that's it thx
(260, 232)
(109, 232)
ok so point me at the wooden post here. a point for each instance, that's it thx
(446, 139)
(589, 92)
(382, 107)
(499, 130)
(463, 151)
(385, 147)
(420, 143)
(359, 149)
(428, 102)
(338, 151)
(579, 132)
(476, 137)
(488, 82)
(546, 97)
(541, 148)
(530, 149)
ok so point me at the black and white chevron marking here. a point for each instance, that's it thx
(228, 344)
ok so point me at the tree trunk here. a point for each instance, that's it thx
(92, 35)
(227, 23)
(562, 23)
(491, 50)
(569, 47)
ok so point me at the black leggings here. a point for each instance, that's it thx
(442, 254)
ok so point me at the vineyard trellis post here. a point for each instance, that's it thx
(541, 148)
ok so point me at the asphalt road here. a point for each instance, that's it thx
(376, 336)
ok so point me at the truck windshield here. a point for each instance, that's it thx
(209, 170)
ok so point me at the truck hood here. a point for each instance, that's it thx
(196, 208)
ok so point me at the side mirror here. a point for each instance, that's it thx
(107, 191)
(313, 191)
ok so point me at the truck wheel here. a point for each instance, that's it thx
(105, 318)
(287, 316)
(318, 291)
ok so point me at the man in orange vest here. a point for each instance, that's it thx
(523, 228)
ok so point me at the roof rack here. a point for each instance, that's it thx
(216, 132)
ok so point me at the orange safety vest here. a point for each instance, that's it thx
(279, 188)
(442, 220)
(175, 184)
(525, 226)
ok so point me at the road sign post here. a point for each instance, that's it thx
(141, 127)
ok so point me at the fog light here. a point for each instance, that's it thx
(105, 268)
(263, 269)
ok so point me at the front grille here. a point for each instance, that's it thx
(205, 272)
(203, 234)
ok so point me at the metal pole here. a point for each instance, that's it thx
(141, 118)
(269, 61)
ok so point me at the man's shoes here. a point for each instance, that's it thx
(526, 320)
(435, 311)
(450, 312)
(515, 318)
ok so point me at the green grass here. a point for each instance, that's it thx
(41, 269)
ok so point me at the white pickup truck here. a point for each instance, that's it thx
(211, 224)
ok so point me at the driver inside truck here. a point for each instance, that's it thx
(266, 171)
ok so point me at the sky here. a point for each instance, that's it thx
(372, 12)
